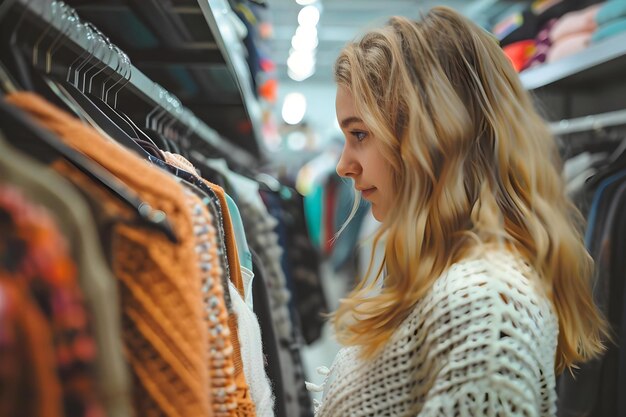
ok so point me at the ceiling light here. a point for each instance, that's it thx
(306, 31)
(300, 76)
(304, 43)
(305, 2)
(309, 16)
(294, 108)
(301, 61)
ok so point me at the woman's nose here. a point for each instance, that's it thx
(347, 166)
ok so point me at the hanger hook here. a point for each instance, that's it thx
(100, 40)
(52, 7)
(165, 113)
(88, 51)
(118, 63)
(174, 117)
(121, 62)
(78, 27)
(155, 109)
(162, 105)
(129, 73)
(69, 15)
(107, 42)
(161, 109)
(94, 40)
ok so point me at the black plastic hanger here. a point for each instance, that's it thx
(101, 119)
(141, 135)
(120, 119)
(87, 108)
(87, 89)
(160, 140)
(98, 115)
(25, 135)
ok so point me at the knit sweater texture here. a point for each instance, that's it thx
(164, 331)
(221, 363)
(252, 356)
(481, 342)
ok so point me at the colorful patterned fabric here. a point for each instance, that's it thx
(46, 343)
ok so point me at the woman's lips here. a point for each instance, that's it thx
(368, 192)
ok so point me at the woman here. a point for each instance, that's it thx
(487, 289)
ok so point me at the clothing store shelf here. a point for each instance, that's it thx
(234, 52)
(589, 123)
(190, 47)
(600, 62)
(140, 84)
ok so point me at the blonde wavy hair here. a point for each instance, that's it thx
(474, 166)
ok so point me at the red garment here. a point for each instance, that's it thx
(46, 347)
(520, 53)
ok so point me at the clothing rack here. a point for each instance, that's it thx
(233, 50)
(82, 38)
(589, 123)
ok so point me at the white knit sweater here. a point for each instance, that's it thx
(482, 342)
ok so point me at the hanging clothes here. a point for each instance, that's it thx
(264, 241)
(42, 306)
(263, 310)
(260, 228)
(45, 187)
(300, 260)
(163, 329)
(221, 367)
(246, 397)
(252, 356)
(593, 389)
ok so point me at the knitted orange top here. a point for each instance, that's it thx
(244, 399)
(245, 406)
(164, 331)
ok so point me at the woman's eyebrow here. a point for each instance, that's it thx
(348, 120)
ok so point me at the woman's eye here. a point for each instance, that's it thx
(359, 135)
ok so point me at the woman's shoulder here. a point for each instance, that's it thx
(494, 287)
(494, 271)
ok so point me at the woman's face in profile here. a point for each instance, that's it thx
(361, 159)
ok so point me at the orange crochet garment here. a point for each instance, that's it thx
(244, 399)
(245, 406)
(164, 331)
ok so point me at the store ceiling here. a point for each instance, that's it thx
(343, 20)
